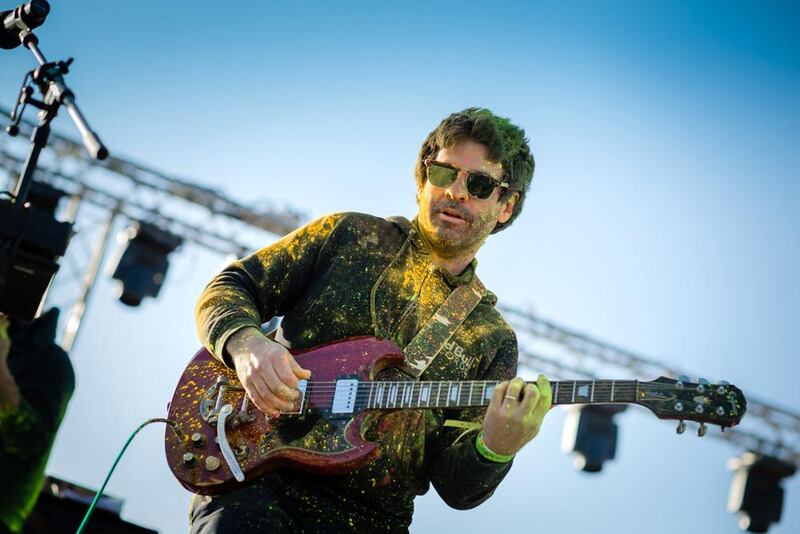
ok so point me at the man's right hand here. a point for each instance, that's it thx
(268, 372)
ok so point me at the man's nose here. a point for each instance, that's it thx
(457, 190)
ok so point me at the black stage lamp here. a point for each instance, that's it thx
(45, 198)
(591, 434)
(31, 243)
(756, 492)
(143, 265)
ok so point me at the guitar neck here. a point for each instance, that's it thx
(466, 394)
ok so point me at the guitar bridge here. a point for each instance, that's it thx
(300, 404)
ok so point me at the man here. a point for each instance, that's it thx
(353, 274)
(36, 383)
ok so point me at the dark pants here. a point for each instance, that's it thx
(277, 504)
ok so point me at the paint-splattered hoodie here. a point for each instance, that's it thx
(352, 274)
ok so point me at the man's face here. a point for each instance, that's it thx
(451, 219)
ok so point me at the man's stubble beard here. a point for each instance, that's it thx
(450, 241)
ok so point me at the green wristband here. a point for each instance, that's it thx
(489, 454)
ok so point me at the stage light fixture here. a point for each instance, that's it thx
(45, 198)
(591, 435)
(143, 265)
(756, 493)
(31, 243)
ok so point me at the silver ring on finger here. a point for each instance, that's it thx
(511, 397)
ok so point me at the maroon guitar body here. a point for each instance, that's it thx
(217, 440)
(315, 440)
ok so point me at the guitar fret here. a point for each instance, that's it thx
(488, 391)
(471, 401)
(591, 399)
(574, 388)
(613, 382)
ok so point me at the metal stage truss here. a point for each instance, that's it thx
(101, 193)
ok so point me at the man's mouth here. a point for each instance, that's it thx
(452, 215)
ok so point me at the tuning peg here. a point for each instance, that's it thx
(702, 430)
(721, 385)
(684, 378)
(702, 383)
(681, 427)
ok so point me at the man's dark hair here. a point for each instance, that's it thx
(504, 141)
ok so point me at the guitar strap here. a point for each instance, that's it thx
(435, 334)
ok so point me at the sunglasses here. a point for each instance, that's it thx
(479, 184)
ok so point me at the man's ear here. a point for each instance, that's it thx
(507, 208)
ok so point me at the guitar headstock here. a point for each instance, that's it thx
(717, 404)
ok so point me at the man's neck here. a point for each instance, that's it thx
(455, 265)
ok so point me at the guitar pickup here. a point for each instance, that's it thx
(344, 396)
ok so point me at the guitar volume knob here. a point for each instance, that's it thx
(198, 440)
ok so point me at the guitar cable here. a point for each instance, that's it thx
(178, 432)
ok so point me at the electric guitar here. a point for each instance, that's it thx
(217, 441)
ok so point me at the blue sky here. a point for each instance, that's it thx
(663, 214)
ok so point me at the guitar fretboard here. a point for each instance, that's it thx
(445, 394)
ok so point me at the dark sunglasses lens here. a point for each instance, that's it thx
(440, 176)
(479, 185)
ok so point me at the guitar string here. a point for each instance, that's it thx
(564, 387)
(620, 388)
(333, 385)
(386, 392)
(408, 400)
(403, 391)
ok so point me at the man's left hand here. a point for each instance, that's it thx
(515, 414)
